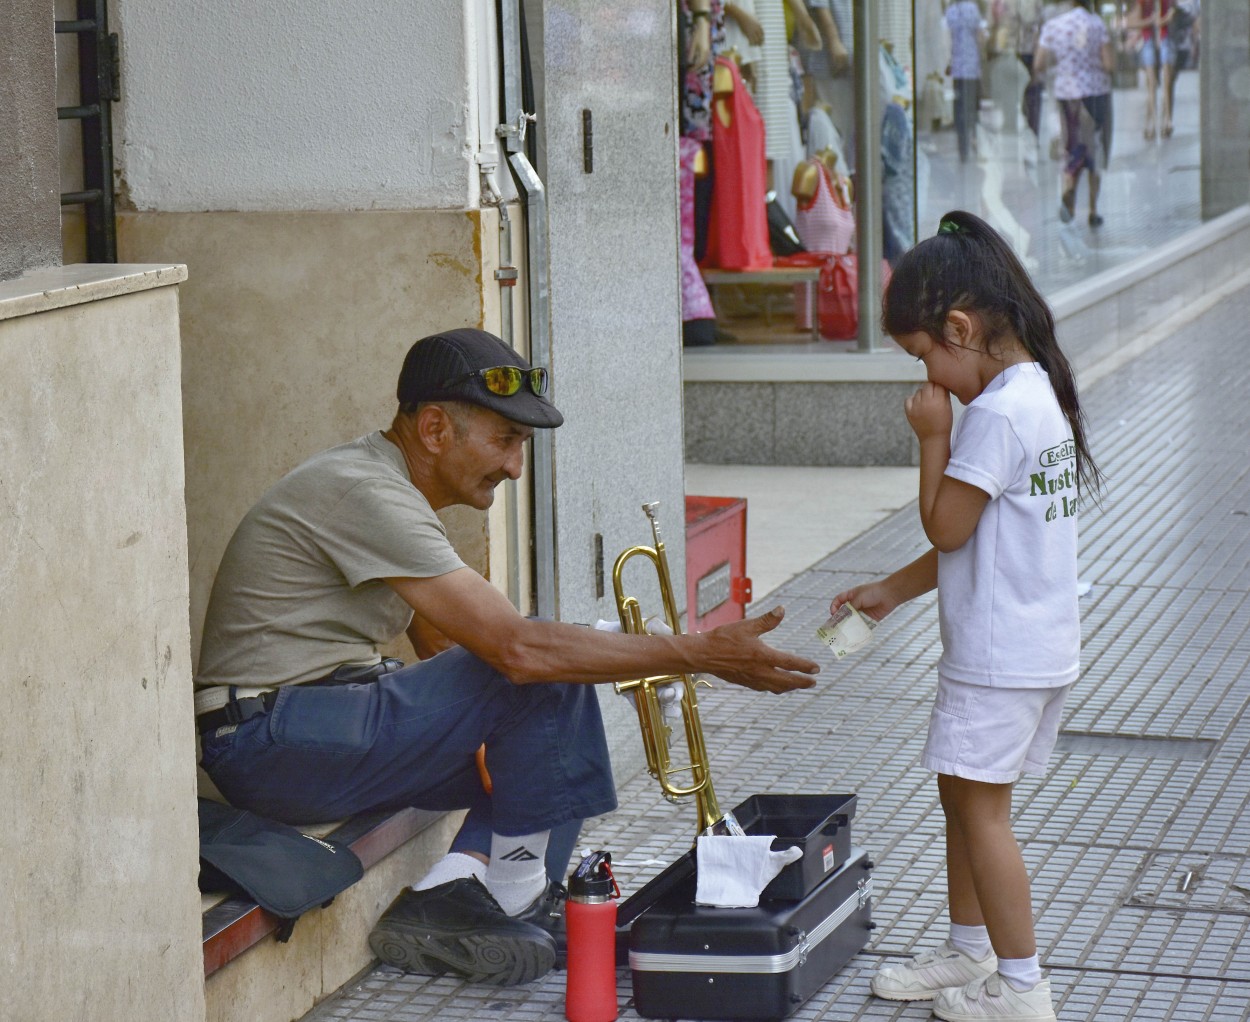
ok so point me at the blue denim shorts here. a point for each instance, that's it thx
(1151, 56)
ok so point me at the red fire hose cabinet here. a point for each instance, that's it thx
(717, 587)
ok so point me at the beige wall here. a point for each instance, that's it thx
(98, 839)
(294, 326)
(29, 199)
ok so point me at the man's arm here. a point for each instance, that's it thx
(427, 641)
(471, 612)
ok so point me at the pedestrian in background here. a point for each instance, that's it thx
(1028, 25)
(1078, 46)
(967, 30)
(1158, 60)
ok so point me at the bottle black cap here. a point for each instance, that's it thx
(593, 877)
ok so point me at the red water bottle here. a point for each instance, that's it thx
(590, 914)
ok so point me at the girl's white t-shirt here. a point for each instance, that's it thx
(1007, 598)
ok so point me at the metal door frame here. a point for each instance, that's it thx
(514, 132)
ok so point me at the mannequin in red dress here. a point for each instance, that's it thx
(738, 224)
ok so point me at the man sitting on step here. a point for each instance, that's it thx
(301, 720)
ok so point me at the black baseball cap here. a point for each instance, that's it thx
(441, 367)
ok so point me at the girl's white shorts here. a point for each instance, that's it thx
(992, 734)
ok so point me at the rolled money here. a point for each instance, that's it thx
(847, 631)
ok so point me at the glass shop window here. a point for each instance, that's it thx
(1085, 160)
(1073, 128)
(769, 168)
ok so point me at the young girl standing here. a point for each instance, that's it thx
(998, 500)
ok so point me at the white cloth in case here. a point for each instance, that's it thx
(732, 871)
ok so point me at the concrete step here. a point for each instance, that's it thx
(250, 975)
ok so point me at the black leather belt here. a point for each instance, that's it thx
(236, 712)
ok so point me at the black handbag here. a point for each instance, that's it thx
(783, 239)
(284, 871)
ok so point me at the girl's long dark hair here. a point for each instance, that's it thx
(968, 267)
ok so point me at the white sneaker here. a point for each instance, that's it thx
(992, 999)
(926, 974)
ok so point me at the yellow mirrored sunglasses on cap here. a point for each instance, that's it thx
(504, 380)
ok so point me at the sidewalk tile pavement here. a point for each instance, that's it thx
(1137, 838)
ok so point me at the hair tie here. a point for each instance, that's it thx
(946, 226)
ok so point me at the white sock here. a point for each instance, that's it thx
(452, 866)
(974, 941)
(1021, 973)
(517, 873)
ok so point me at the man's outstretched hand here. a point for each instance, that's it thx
(736, 653)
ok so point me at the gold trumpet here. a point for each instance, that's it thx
(651, 695)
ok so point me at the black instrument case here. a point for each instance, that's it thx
(693, 961)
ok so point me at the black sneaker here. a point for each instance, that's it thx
(547, 911)
(459, 928)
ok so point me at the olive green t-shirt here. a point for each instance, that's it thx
(299, 591)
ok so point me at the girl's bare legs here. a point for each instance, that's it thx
(986, 877)
(1151, 83)
(1165, 122)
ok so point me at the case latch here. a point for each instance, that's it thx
(804, 948)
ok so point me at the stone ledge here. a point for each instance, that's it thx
(274, 982)
(1075, 299)
(60, 286)
(233, 925)
(801, 366)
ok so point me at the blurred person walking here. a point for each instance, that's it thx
(1078, 46)
(1158, 60)
(966, 26)
(1028, 27)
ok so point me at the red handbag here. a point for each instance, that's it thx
(838, 298)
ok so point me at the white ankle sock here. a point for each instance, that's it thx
(1021, 973)
(973, 941)
(517, 873)
(452, 866)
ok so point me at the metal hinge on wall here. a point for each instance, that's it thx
(113, 70)
(514, 134)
